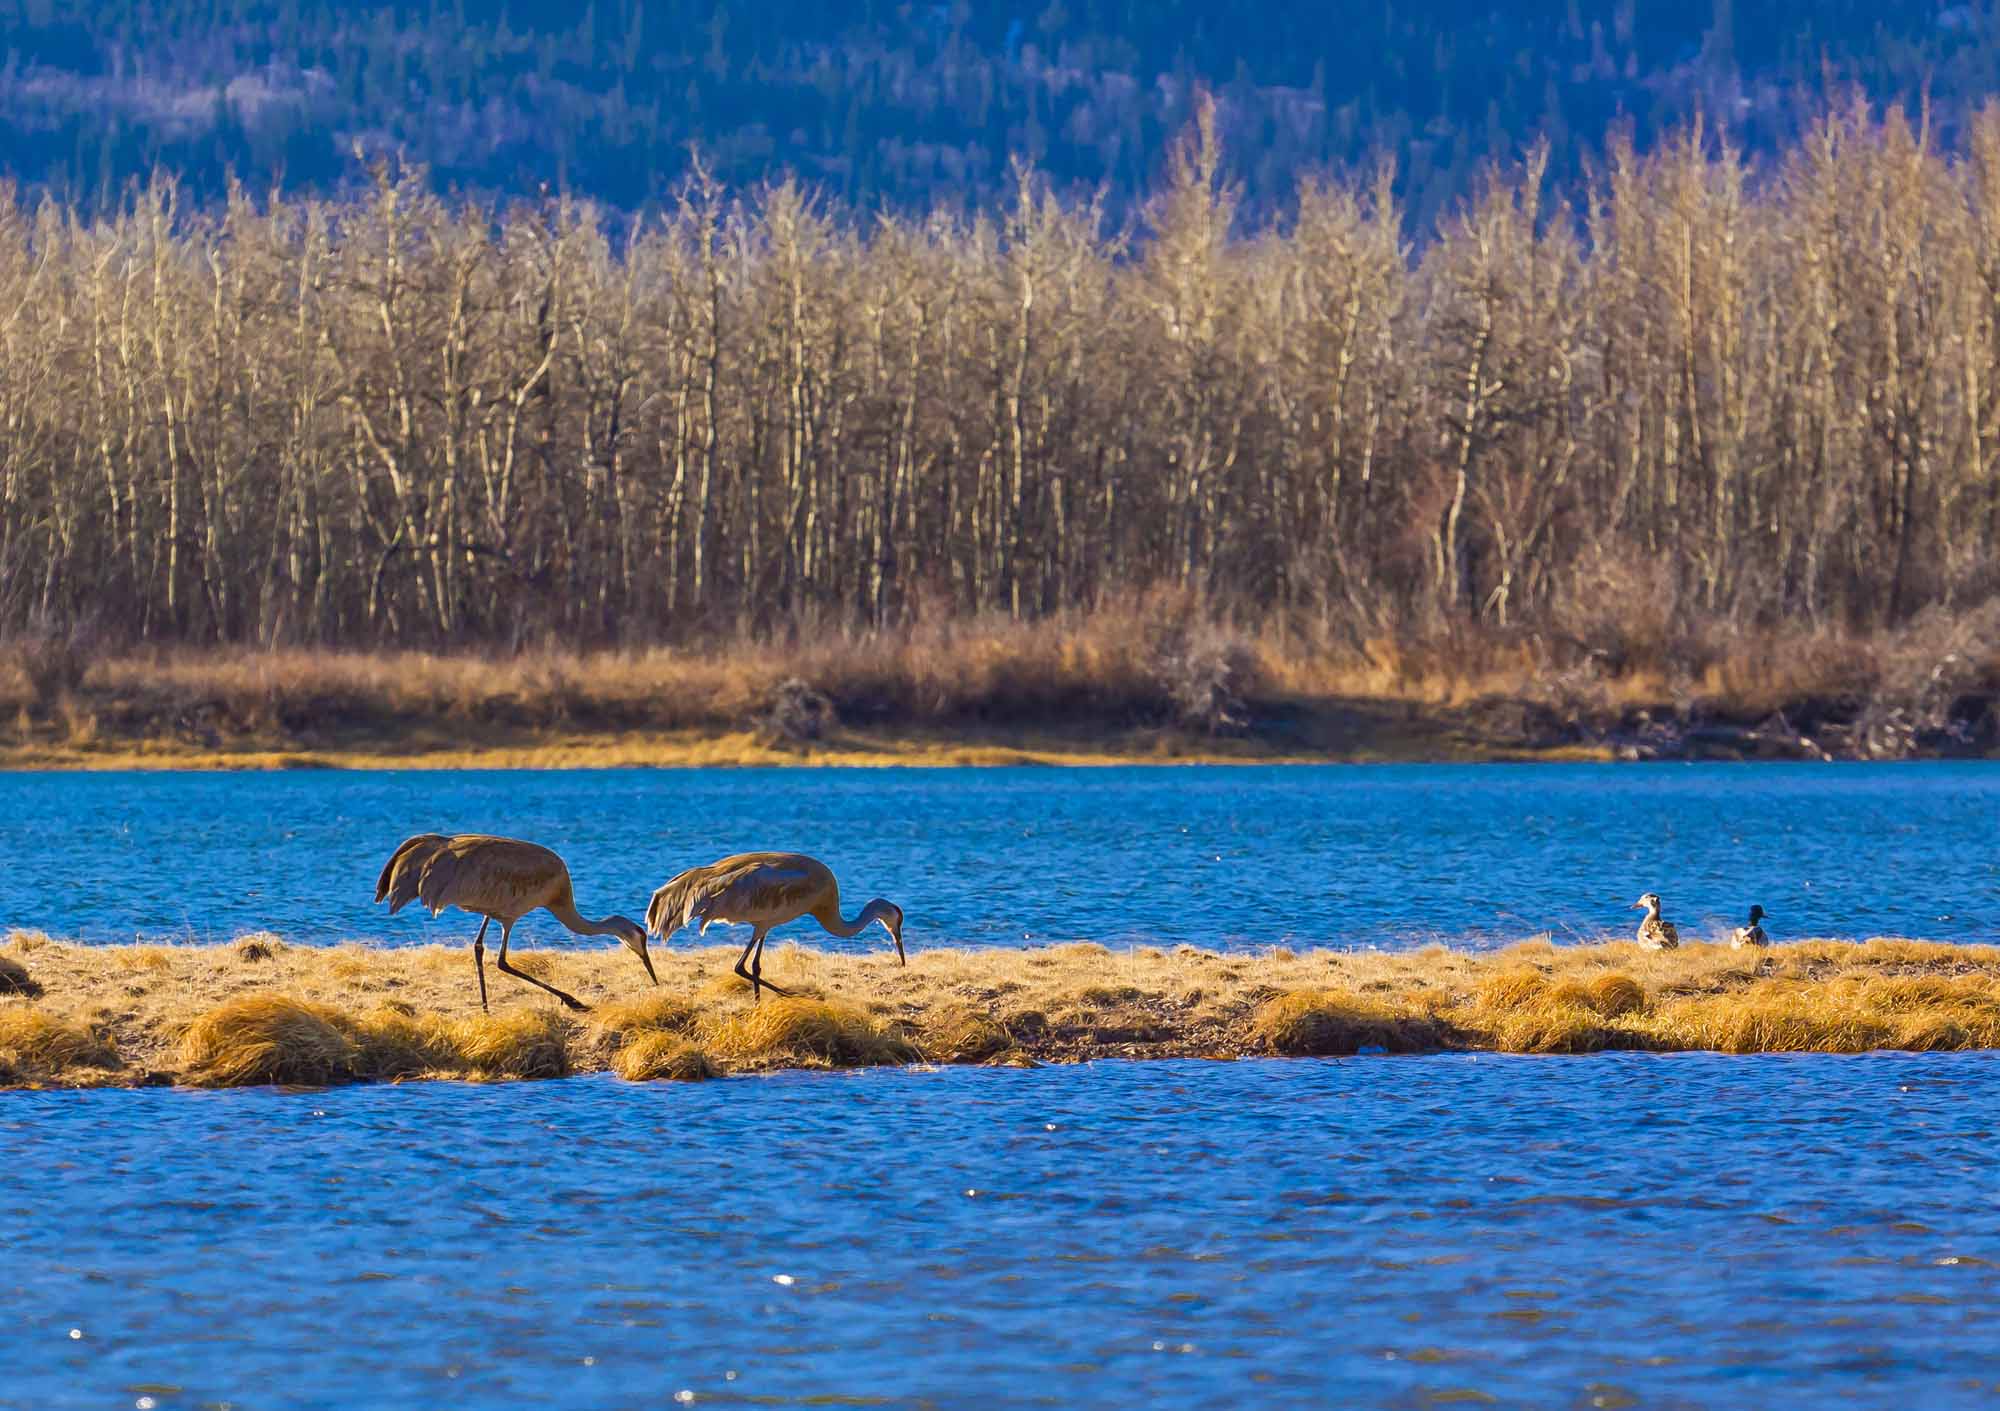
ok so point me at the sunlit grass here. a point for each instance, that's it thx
(1076, 688)
(268, 1039)
(1326, 1022)
(38, 1048)
(15, 979)
(658, 1054)
(797, 1031)
(263, 1011)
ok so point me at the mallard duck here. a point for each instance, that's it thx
(1655, 934)
(1751, 935)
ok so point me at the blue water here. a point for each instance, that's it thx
(1619, 1230)
(1340, 855)
(1612, 1231)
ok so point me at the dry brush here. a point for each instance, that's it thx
(1710, 396)
(243, 1014)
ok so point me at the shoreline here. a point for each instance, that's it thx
(744, 749)
(1096, 691)
(259, 1010)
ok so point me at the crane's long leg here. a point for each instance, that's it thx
(479, 957)
(506, 930)
(755, 974)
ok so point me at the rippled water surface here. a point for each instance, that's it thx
(1613, 1231)
(1341, 855)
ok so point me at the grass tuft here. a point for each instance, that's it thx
(1773, 1018)
(523, 1043)
(659, 1054)
(1554, 1027)
(538, 963)
(1511, 989)
(1327, 1022)
(268, 1039)
(37, 1048)
(15, 979)
(260, 945)
(618, 1023)
(965, 1036)
(392, 1043)
(1614, 994)
(810, 1030)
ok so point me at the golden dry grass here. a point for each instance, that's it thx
(260, 946)
(15, 979)
(964, 1035)
(520, 1043)
(656, 1054)
(799, 1031)
(1074, 688)
(273, 1039)
(268, 1039)
(37, 1048)
(1323, 1022)
(306, 1014)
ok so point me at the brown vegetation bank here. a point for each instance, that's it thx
(1152, 677)
(261, 1011)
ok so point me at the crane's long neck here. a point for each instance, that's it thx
(836, 925)
(566, 913)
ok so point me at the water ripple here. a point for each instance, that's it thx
(1214, 856)
(1630, 1229)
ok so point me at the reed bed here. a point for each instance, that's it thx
(1147, 676)
(260, 1010)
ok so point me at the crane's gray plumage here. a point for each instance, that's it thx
(500, 879)
(763, 890)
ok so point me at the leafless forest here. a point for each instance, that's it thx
(1712, 398)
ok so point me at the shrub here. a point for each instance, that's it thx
(268, 1039)
(662, 1055)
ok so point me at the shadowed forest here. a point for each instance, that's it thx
(1705, 404)
(909, 104)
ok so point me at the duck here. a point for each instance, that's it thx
(1655, 934)
(1751, 935)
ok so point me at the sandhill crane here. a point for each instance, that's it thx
(763, 890)
(502, 879)
(1751, 935)
(1655, 934)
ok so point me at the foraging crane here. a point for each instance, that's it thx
(1655, 934)
(763, 890)
(502, 879)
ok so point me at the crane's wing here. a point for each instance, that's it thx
(403, 873)
(735, 889)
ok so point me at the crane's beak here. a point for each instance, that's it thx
(647, 960)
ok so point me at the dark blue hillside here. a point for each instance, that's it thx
(915, 104)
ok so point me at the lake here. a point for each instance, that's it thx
(1232, 857)
(1623, 1230)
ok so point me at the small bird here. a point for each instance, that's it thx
(1655, 934)
(1751, 935)
(763, 890)
(501, 879)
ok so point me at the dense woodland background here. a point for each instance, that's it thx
(398, 418)
(1682, 386)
